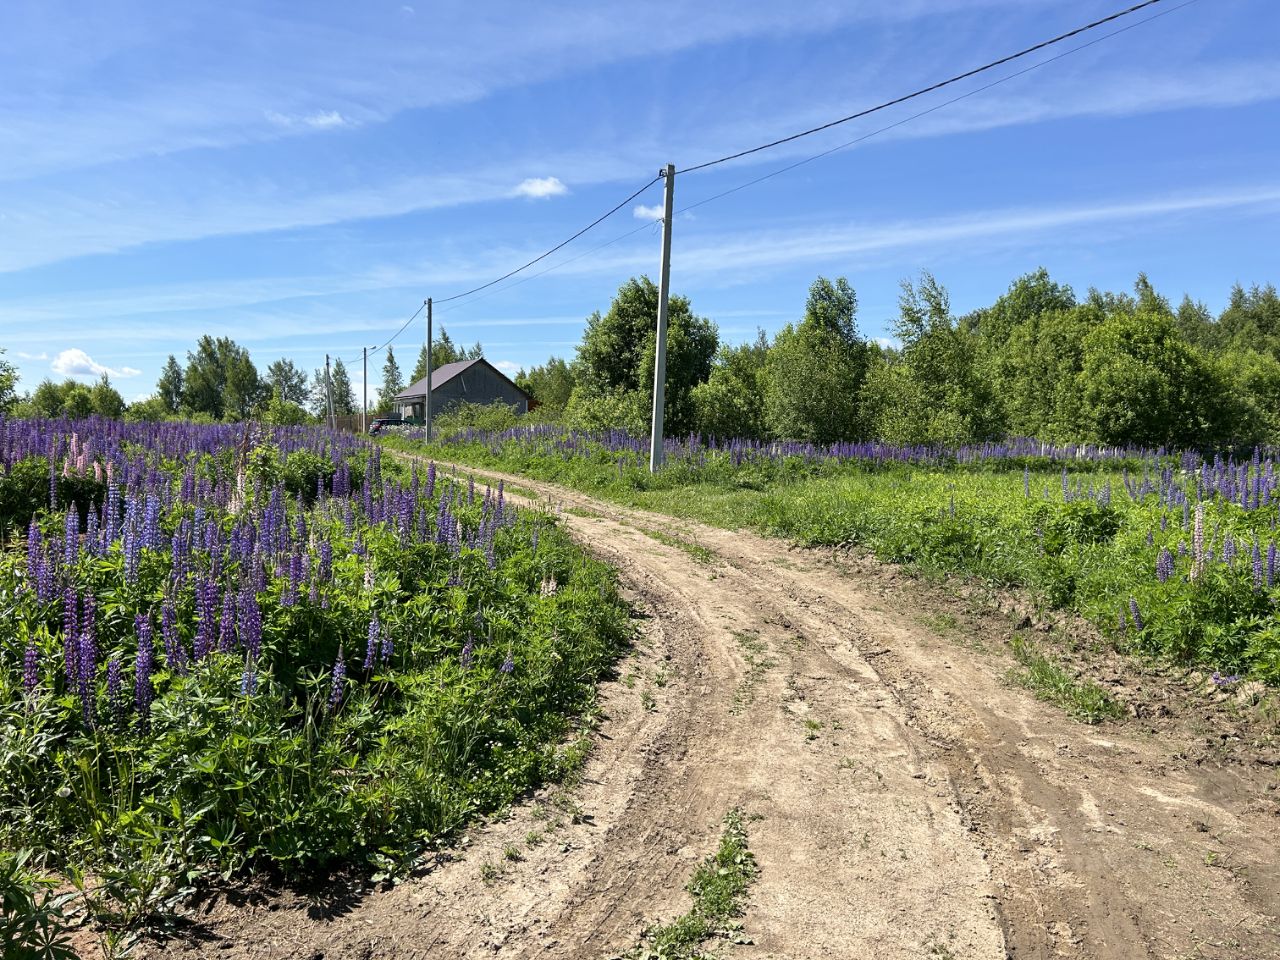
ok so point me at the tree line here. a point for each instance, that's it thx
(1111, 368)
(220, 382)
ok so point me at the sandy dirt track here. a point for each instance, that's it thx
(905, 800)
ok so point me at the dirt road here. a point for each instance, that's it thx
(905, 800)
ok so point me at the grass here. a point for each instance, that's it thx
(699, 553)
(719, 888)
(1080, 535)
(1082, 699)
(755, 652)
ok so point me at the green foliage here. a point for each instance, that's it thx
(169, 387)
(24, 490)
(937, 392)
(392, 382)
(731, 403)
(8, 384)
(617, 355)
(815, 370)
(1048, 680)
(151, 410)
(492, 662)
(550, 384)
(32, 919)
(1077, 540)
(73, 400)
(282, 412)
(488, 417)
(1141, 385)
(719, 888)
(220, 380)
(288, 380)
(593, 407)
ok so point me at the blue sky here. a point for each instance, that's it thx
(300, 176)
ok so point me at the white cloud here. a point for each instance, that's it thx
(76, 363)
(540, 188)
(641, 212)
(507, 367)
(33, 356)
(320, 120)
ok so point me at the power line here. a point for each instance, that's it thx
(392, 338)
(845, 145)
(520, 269)
(863, 113)
(929, 89)
(935, 108)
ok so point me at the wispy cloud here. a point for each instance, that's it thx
(76, 363)
(32, 356)
(320, 120)
(540, 188)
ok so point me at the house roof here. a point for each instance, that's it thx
(442, 375)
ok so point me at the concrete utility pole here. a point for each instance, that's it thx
(426, 401)
(328, 393)
(656, 452)
(364, 408)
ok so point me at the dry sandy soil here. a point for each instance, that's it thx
(905, 800)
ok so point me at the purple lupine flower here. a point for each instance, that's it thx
(175, 654)
(508, 664)
(87, 663)
(1136, 614)
(70, 630)
(1151, 538)
(249, 679)
(468, 652)
(1271, 564)
(1257, 567)
(34, 542)
(1224, 681)
(388, 648)
(371, 648)
(143, 689)
(249, 625)
(1164, 565)
(1229, 549)
(339, 678)
(1122, 621)
(30, 670)
(114, 695)
(227, 622)
(71, 539)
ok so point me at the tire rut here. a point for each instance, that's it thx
(902, 800)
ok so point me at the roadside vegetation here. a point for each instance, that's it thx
(719, 888)
(1169, 555)
(235, 649)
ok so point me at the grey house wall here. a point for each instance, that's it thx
(476, 384)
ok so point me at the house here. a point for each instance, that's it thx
(466, 381)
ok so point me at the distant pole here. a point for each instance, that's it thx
(426, 401)
(656, 453)
(364, 408)
(328, 393)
